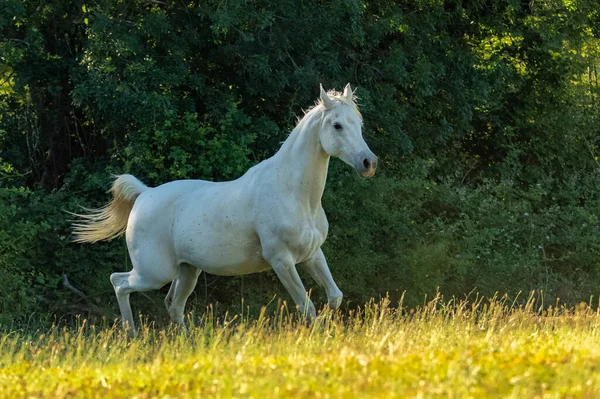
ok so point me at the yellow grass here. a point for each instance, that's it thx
(484, 349)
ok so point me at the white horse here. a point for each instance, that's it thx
(271, 217)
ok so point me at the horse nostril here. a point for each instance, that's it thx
(366, 163)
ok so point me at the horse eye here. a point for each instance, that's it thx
(337, 126)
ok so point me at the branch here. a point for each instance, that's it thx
(469, 171)
(89, 305)
(70, 287)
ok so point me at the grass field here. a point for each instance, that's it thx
(478, 349)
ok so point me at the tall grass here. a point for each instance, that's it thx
(449, 349)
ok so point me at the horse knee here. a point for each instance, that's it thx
(335, 300)
(120, 282)
(126, 283)
(116, 279)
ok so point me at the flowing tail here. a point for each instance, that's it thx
(110, 221)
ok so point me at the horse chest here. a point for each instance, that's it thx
(305, 239)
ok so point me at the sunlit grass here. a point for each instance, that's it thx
(478, 349)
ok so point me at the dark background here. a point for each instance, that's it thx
(484, 115)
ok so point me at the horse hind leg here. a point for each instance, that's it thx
(181, 288)
(126, 283)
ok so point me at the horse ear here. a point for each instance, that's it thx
(348, 92)
(327, 102)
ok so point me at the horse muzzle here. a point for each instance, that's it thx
(366, 164)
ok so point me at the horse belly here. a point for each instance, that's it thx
(224, 255)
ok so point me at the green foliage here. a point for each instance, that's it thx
(191, 149)
(414, 234)
(35, 253)
(484, 116)
(17, 236)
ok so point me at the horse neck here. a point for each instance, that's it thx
(304, 163)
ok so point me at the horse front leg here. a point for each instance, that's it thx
(319, 270)
(285, 268)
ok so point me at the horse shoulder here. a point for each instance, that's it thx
(290, 231)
